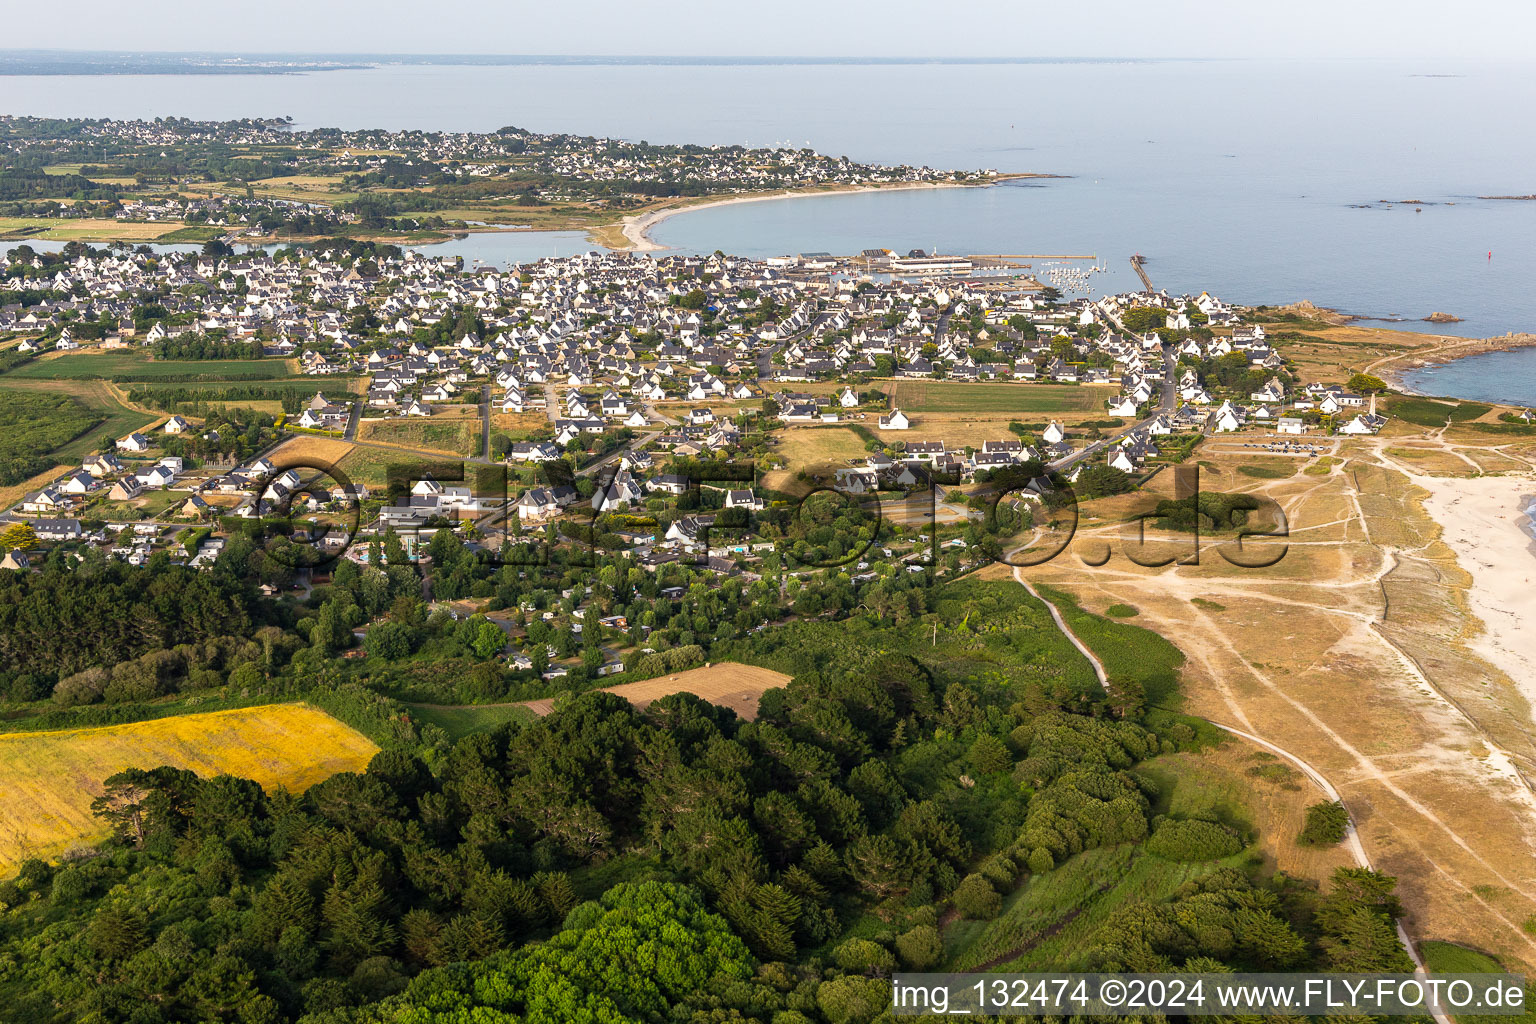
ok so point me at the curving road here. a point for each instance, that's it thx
(1351, 836)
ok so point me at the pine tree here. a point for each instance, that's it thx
(118, 932)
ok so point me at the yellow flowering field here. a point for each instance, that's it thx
(48, 779)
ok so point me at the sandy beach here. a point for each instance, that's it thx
(1484, 523)
(637, 228)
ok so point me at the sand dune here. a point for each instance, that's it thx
(1484, 522)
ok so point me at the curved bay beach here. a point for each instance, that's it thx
(636, 228)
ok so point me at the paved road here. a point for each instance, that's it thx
(1167, 404)
(614, 456)
(653, 414)
(551, 406)
(765, 358)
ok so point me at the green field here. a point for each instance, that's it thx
(57, 426)
(1131, 654)
(364, 464)
(1425, 412)
(128, 365)
(1267, 472)
(260, 395)
(1443, 958)
(461, 721)
(34, 425)
(191, 233)
(1006, 399)
(334, 387)
(1055, 918)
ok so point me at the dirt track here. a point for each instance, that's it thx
(728, 684)
(1354, 657)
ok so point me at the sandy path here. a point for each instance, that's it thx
(1462, 844)
(1351, 837)
(637, 228)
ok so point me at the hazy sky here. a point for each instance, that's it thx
(1184, 28)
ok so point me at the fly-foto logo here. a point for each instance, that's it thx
(309, 514)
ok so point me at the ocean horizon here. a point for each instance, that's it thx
(1358, 185)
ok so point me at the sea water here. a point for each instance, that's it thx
(1260, 181)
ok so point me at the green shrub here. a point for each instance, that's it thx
(1121, 611)
(852, 1000)
(70, 885)
(864, 956)
(975, 898)
(920, 948)
(1193, 840)
(1000, 870)
(1326, 825)
(1210, 510)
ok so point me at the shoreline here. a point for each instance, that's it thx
(1485, 523)
(636, 228)
(633, 229)
(1393, 368)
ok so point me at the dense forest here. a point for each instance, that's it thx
(107, 614)
(609, 864)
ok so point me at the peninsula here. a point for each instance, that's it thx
(260, 181)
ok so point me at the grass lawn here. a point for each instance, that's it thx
(130, 365)
(1054, 919)
(813, 448)
(371, 465)
(461, 721)
(147, 506)
(1443, 958)
(362, 465)
(1023, 399)
(1129, 653)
